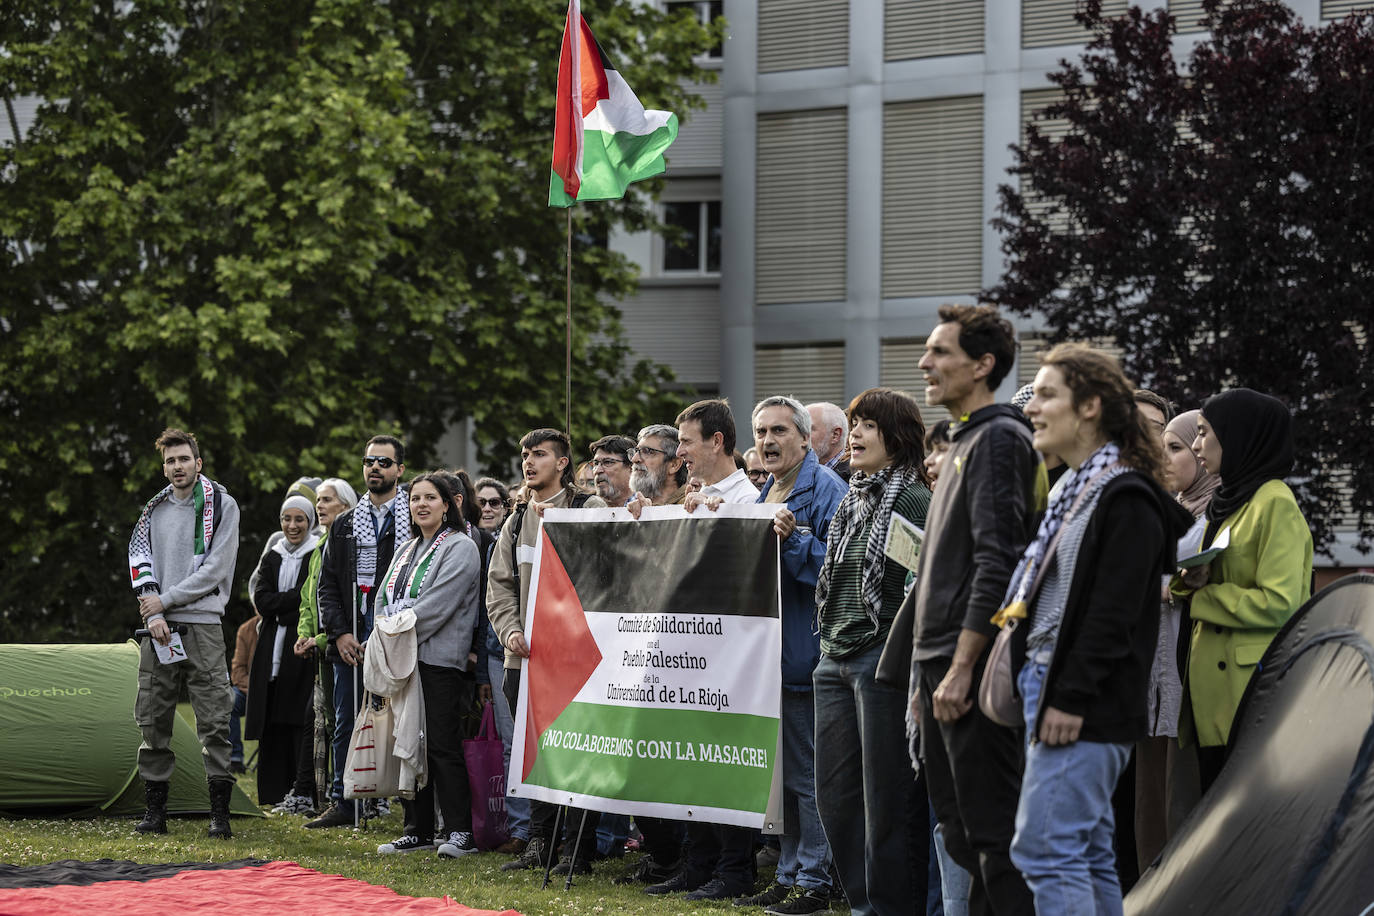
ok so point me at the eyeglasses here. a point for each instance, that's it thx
(495, 502)
(757, 475)
(380, 461)
(600, 463)
(644, 450)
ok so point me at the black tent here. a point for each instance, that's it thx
(1288, 827)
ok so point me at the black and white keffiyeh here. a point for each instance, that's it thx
(366, 536)
(869, 496)
(141, 570)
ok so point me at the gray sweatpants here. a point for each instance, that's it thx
(207, 682)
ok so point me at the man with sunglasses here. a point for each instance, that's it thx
(754, 469)
(361, 543)
(611, 462)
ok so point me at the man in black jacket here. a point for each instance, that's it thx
(980, 519)
(361, 544)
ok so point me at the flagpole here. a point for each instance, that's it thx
(567, 367)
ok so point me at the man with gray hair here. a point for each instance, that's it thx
(807, 496)
(829, 434)
(658, 476)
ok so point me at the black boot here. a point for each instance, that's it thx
(155, 818)
(220, 790)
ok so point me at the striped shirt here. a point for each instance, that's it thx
(845, 627)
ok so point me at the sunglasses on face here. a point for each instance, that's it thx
(757, 475)
(495, 502)
(378, 460)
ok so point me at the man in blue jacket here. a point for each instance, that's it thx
(807, 495)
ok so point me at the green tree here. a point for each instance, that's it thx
(1212, 217)
(284, 226)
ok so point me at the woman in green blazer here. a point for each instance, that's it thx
(1242, 598)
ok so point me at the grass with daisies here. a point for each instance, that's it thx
(475, 880)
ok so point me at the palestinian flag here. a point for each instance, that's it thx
(654, 676)
(603, 139)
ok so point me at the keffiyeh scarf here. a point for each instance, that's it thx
(141, 544)
(1015, 603)
(366, 537)
(415, 582)
(870, 496)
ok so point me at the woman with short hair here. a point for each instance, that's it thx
(865, 792)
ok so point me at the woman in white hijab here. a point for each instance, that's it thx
(280, 683)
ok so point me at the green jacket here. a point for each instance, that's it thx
(310, 613)
(1254, 586)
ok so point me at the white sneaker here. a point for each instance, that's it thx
(295, 804)
(459, 844)
(405, 844)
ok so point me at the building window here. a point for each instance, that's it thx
(694, 246)
(708, 11)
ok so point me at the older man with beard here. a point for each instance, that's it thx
(658, 476)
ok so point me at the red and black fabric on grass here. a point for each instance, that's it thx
(244, 887)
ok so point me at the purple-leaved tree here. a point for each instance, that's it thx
(1212, 216)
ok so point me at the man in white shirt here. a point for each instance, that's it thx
(719, 861)
(706, 441)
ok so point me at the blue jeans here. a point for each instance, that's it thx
(517, 808)
(954, 882)
(1064, 822)
(804, 857)
(235, 732)
(612, 830)
(865, 790)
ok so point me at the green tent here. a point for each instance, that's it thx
(68, 741)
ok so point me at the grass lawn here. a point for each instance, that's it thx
(475, 880)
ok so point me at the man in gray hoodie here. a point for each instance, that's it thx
(181, 559)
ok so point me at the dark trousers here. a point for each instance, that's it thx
(346, 696)
(662, 838)
(448, 691)
(973, 772)
(720, 851)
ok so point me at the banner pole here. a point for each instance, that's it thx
(567, 367)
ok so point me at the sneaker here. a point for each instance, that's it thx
(805, 900)
(677, 884)
(566, 864)
(532, 857)
(236, 768)
(458, 844)
(715, 889)
(774, 893)
(647, 871)
(336, 816)
(406, 843)
(512, 847)
(295, 804)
